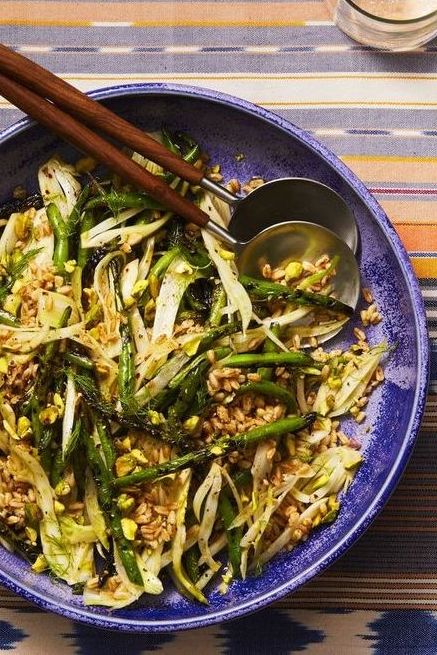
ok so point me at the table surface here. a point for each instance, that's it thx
(377, 111)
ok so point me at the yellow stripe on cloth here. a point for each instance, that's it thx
(155, 14)
(425, 267)
(410, 212)
(414, 170)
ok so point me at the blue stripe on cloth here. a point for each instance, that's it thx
(375, 144)
(249, 636)
(318, 36)
(226, 62)
(10, 636)
(403, 633)
(343, 119)
(17, 35)
(88, 641)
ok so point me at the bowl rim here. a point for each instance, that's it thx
(422, 341)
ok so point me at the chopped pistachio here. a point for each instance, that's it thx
(227, 255)
(293, 270)
(334, 383)
(12, 301)
(139, 456)
(129, 528)
(59, 403)
(63, 488)
(129, 302)
(40, 564)
(70, 265)
(124, 444)
(155, 417)
(3, 365)
(217, 450)
(351, 458)
(191, 423)
(124, 465)
(304, 453)
(125, 503)
(59, 507)
(24, 427)
(49, 415)
(330, 401)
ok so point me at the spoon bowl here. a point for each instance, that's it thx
(301, 241)
(294, 199)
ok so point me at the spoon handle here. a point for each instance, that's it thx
(94, 114)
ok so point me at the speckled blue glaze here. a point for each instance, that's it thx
(273, 148)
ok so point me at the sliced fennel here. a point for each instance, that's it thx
(71, 398)
(131, 234)
(51, 306)
(238, 297)
(56, 551)
(179, 541)
(95, 514)
(176, 281)
(58, 184)
(352, 386)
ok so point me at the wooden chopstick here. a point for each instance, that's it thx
(79, 105)
(83, 138)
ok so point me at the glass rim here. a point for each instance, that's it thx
(392, 21)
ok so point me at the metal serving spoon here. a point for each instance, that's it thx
(31, 87)
(286, 199)
(322, 224)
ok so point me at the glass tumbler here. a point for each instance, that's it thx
(395, 25)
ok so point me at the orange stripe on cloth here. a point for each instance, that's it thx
(425, 266)
(414, 170)
(410, 212)
(419, 238)
(156, 14)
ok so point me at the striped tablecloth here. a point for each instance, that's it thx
(377, 111)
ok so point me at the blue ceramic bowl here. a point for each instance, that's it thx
(273, 148)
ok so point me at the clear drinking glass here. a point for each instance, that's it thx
(390, 24)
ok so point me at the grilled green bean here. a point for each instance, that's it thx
(59, 227)
(217, 449)
(267, 388)
(233, 536)
(270, 359)
(265, 290)
(126, 367)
